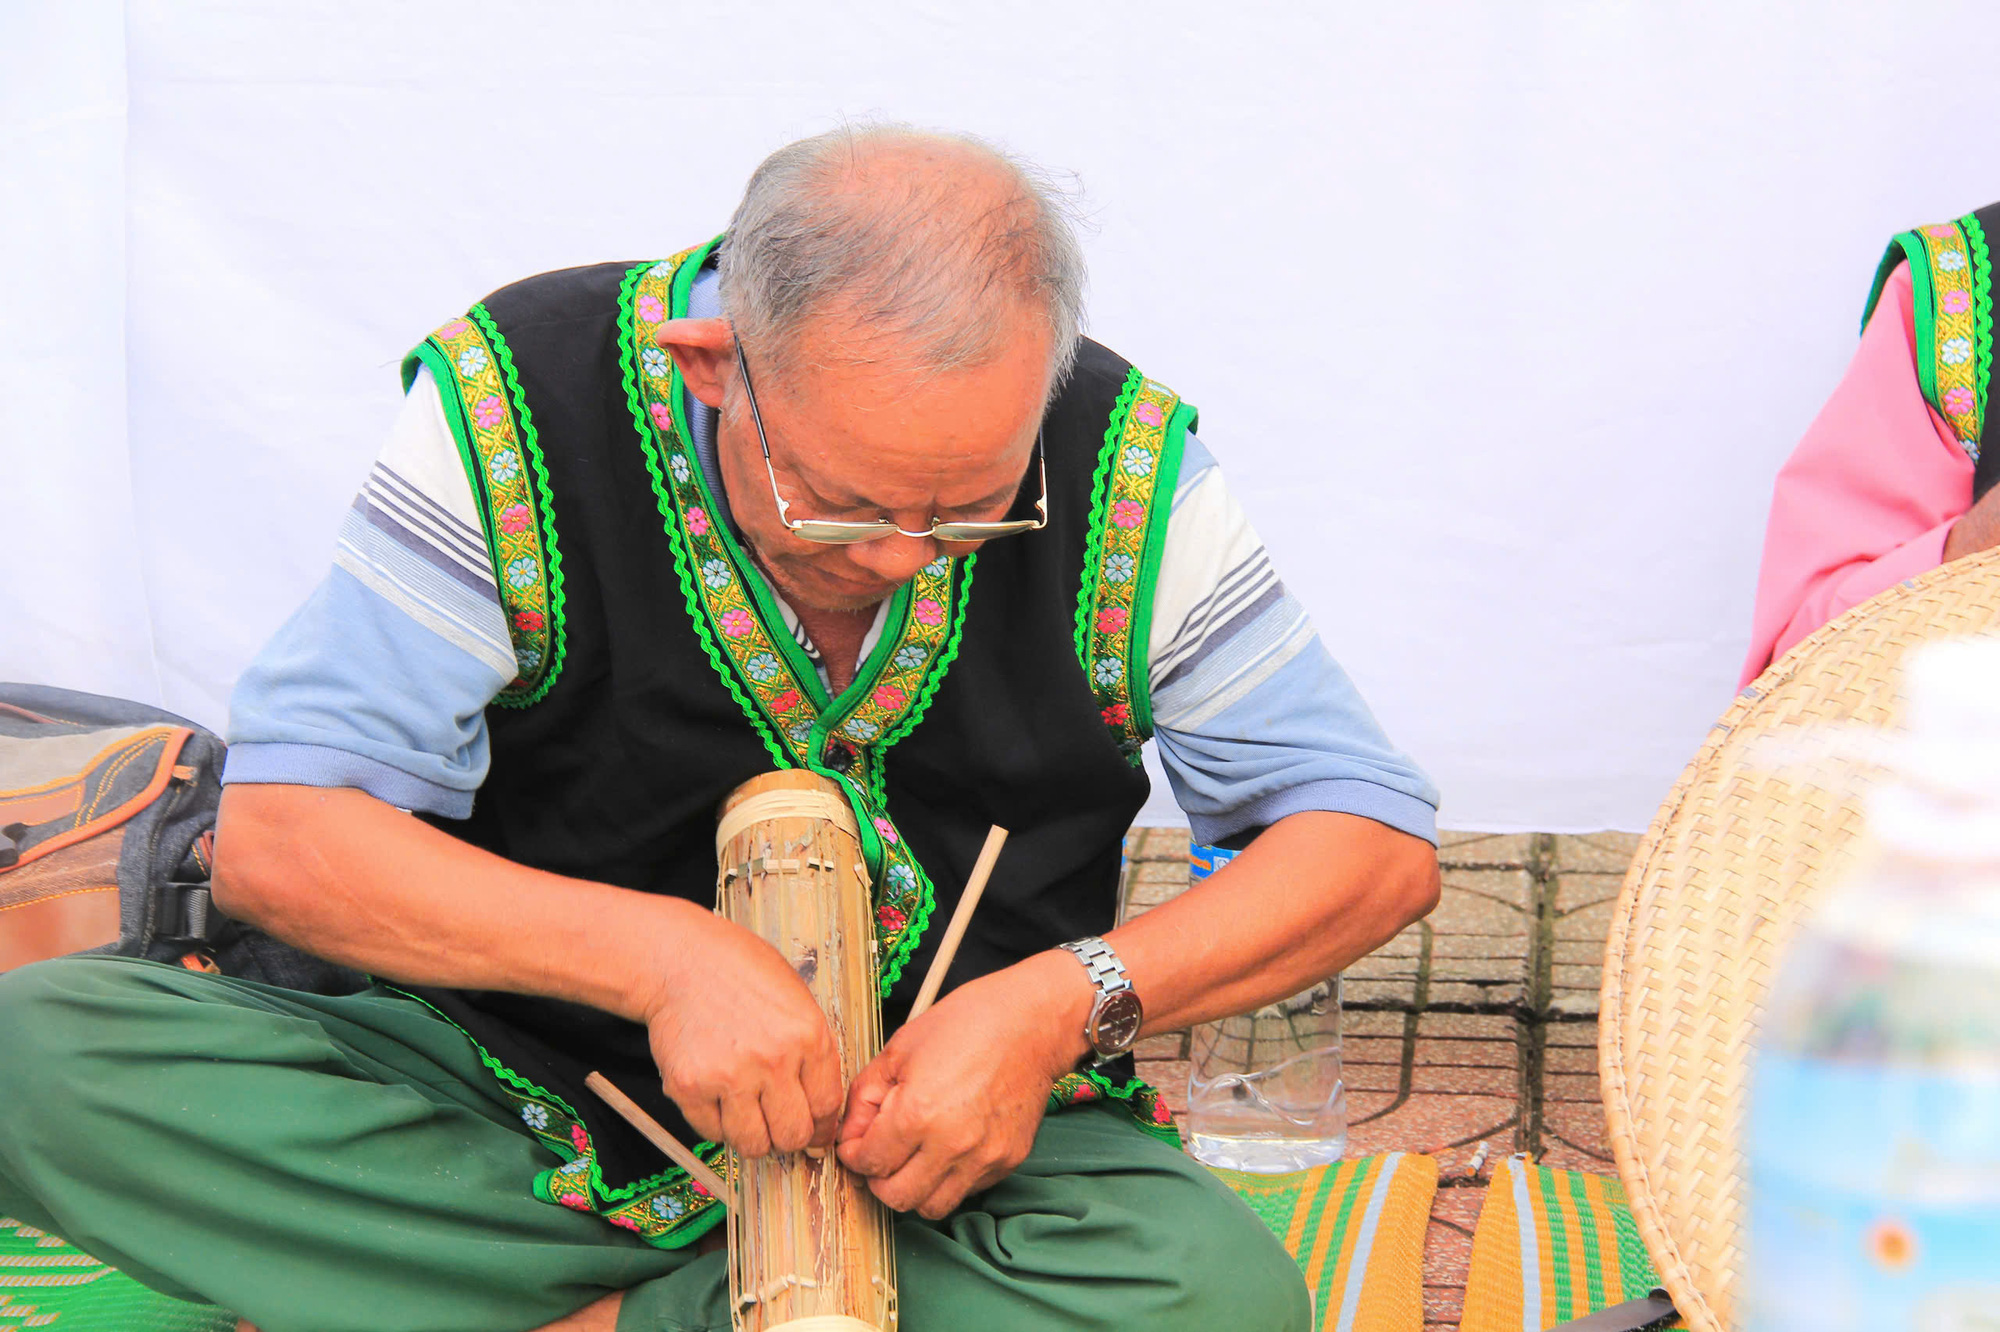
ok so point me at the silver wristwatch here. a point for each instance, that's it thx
(1116, 1013)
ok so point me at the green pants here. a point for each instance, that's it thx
(324, 1164)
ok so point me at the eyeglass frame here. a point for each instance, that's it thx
(828, 532)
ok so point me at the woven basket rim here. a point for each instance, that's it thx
(1642, 1190)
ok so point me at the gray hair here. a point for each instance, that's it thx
(931, 264)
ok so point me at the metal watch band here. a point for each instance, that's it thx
(1101, 961)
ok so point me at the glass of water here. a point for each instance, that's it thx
(1265, 1092)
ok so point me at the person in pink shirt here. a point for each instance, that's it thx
(1888, 481)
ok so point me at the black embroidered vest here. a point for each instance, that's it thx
(656, 676)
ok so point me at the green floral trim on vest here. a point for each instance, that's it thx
(743, 631)
(1130, 507)
(1144, 1103)
(667, 1210)
(1951, 285)
(497, 444)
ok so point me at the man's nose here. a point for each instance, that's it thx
(895, 559)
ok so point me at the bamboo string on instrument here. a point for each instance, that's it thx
(961, 916)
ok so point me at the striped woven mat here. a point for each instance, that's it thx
(1356, 1229)
(45, 1282)
(1552, 1245)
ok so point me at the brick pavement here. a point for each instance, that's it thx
(1475, 1026)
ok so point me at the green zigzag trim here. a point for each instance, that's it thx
(1982, 308)
(671, 1175)
(531, 444)
(1100, 494)
(1160, 503)
(892, 967)
(629, 367)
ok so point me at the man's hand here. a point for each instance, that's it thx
(742, 1047)
(952, 1103)
(1977, 530)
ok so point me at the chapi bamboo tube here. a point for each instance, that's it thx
(810, 1248)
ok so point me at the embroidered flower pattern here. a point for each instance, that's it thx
(535, 1116)
(902, 879)
(1955, 351)
(860, 729)
(736, 623)
(889, 697)
(801, 733)
(496, 440)
(655, 362)
(909, 657)
(886, 831)
(667, 1207)
(1955, 302)
(697, 521)
(889, 918)
(1105, 624)
(715, 573)
(1960, 400)
(574, 1201)
(938, 567)
(652, 309)
(663, 417)
(679, 466)
(763, 667)
(785, 702)
(1942, 231)
(928, 612)
(1951, 261)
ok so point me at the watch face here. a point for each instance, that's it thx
(1115, 1024)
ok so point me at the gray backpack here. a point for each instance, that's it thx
(107, 841)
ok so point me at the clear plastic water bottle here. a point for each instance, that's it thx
(1874, 1127)
(1265, 1092)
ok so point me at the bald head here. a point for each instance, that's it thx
(890, 246)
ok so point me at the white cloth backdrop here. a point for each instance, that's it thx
(1501, 316)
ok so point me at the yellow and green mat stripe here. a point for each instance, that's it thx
(1356, 1229)
(48, 1283)
(1551, 1246)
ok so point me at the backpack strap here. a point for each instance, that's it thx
(502, 456)
(1951, 279)
(1133, 496)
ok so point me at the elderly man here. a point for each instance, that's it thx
(841, 490)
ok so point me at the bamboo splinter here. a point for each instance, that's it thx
(656, 1133)
(961, 916)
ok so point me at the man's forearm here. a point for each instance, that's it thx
(353, 880)
(1310, 895)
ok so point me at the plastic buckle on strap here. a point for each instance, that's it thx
(185, 911)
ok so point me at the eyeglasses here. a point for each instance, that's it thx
(847, 534)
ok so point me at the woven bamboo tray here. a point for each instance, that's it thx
(1739, 850)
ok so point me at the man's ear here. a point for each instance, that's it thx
(702, 348)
